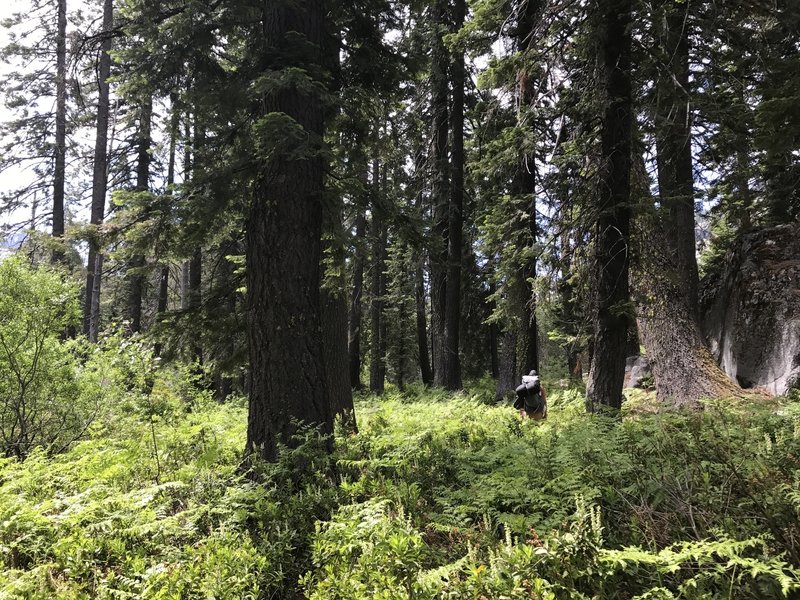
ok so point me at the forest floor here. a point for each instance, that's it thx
(437, 496)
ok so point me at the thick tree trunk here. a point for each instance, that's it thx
(666, 282)
(284, 227)
(508, 379)
(91, 313)
(440, 193)
(612, 230)
(422, 328)
(674, 147)
(59, 173)
(136, 275)
(334, 340)
(494, 357)
(333, 299)
(354, 334)
(528, 335)
(568, 319)
(683, 367)
(451, 367)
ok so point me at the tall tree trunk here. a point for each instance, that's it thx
(528, 335)
(422, 327)
(494, 338)
(440, 192)
(225, 290)
(187, 174)
(59, 174)
(284, 227)
(674, 145)
(400, 366)
(451, 367)
(568, 319)
(185, 285)
(333, 299)
(195, 294)
(507, 380)
(99, 181)
(163, 280)
(683, 367)
(136, 275)
(612, 229)
(377, 367)
(354, 334)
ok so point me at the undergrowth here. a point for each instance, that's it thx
(437, 496)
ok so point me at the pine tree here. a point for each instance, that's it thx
(284, 229)
(612, 311)
(91, 310)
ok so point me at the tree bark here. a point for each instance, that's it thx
(163, 281)
(59, 173)
(195, 295)
(674, 147)
(494, 339)
(528, 335)
(333, 298)
(225, 290)
(667, 281)
(422, 328)
(683, 367)
(612, 229)
(354, 334)
(284, 227)
(400, 365)
(99, 182)
(136, 275)
(507, 381)
(440, 192)
(185, 284)
(377, 366)
(567, 316)
(451, 365)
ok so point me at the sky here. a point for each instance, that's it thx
(16, 178)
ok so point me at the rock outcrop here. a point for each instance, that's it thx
(750, 311)
(637, 372)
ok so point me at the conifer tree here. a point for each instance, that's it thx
(612, 311)
(284, 229)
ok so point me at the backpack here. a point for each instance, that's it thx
(529, 395)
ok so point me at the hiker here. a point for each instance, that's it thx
(531, 399)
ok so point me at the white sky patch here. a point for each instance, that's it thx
(23, 175)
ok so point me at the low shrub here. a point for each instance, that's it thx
(41, 404)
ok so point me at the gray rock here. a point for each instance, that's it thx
(750, 311)
(637, 369)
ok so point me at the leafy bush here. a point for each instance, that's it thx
(366, 550)
(40, 400)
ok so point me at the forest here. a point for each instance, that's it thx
(271, 273)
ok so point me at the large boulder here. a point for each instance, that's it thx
(640, 373)
(750, 310)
